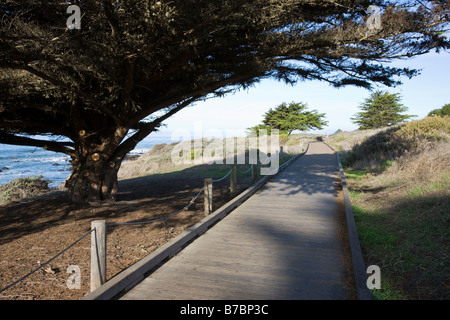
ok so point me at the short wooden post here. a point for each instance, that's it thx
(208, 196)
(233, 188)
(98, 254)
(255, 172)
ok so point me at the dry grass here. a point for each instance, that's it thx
(345, 141)
(431, 162)
(412, 171)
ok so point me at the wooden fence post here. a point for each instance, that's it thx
(98, 254)
(208, 196)
(233, 188)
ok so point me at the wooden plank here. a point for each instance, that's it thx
(207, 289)
(296, 259)
(241, 282)
(292, 225)
(213, 286)
(271, 243)
(187, 287)
(302, 269)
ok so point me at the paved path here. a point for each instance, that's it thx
(282, 243)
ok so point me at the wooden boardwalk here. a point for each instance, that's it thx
(282, 243)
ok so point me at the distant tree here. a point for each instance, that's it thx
(95, 91)
(444, 111)
(290, 117)
(258, 130)
(381, 109)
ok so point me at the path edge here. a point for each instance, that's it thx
(130, 277)
(359, 269)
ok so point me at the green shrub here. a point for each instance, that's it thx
(430, 128)
(20, 188)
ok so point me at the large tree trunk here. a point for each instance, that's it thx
(93, 179)
(95, 165)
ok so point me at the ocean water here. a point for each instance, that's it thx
(23, 161)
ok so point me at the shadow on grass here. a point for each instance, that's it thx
(409, 240)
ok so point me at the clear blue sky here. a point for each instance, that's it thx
(236, 112)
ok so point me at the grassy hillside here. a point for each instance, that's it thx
(399, 181)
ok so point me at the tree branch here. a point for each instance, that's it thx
(64, 147)
(147, 128)
(30, 126)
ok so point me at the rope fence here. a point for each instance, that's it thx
(185, 208)
(224, 177)
(247, 171)
(99, 227)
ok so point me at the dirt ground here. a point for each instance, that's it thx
(34, 231)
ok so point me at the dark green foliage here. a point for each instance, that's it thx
(294, 116)
(382, 109)
(289, 117)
